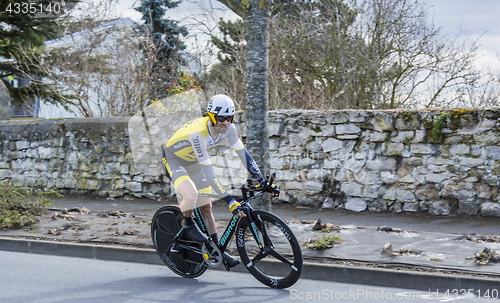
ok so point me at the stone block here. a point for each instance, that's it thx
(305, 162)
(21, 145)
(338, 118)
(331, 164)
(347, 129)
(332, 144)
(314, 147)
(427, 192)
(352, 189)
(5, 173)
(493, 152)
(404, 137)
(328, 203)
(348, 137)
(411, 206)
(490, 209)
(404, 195)
(469, 207)
(355, 204)
(70, 183)
(388, 177)
(390, 194)
(32, 153)
(425, 149)
(407, 121)
(460, 149)
(383, 122)
(133, 186)
(373, 191)
(378, 137)
(378, 206)
(487, 138)
(357, 116)
(41, 165)
(436, 178)
(441, 207)
(483, 190)
(392, 149)
(381, 164)
(313, 186)
(91, 184)
(45, 152)
(327, 130)
(294, 185)
(419, 136)
(275, 129)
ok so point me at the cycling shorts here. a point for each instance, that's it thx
(179, 170)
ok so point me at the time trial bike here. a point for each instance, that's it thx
(266, 244)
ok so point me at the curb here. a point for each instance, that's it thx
(428, 282)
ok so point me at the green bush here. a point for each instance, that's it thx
(19, 206)
(324, 242)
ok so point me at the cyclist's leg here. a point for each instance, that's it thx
(189, 194)
(204, 203)
(206, 210)
(187, 188)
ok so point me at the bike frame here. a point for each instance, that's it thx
(231, 227)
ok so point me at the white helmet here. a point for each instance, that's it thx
(220, 105)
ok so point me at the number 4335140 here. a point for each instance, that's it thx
(33, 8)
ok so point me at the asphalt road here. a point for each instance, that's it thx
(44, 278)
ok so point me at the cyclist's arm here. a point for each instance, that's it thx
(242, 152)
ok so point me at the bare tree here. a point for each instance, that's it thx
(410, 58)
(364, 54)
(101, 72)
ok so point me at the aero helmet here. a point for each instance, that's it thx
(220, 105)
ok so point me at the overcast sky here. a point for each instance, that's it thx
(479, 18)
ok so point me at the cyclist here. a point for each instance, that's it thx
(189, 167)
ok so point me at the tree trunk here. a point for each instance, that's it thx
(5, 106)
(257, 37)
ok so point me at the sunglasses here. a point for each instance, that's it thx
(224, 118)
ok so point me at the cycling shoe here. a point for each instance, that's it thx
(194, 232)
(231, 261)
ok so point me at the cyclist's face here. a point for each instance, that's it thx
(223, 126)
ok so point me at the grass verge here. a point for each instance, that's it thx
(19, 206)
(324, 242)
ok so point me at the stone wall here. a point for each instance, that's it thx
(399, 161)
(439, 161)
(77, 156)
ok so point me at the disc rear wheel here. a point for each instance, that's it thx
(183, 258)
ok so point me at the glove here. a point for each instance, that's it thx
(274, 190)
(235, 207)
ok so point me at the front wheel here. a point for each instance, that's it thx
(271, 253)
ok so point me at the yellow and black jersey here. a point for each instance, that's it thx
(190, 145)
(193, 139)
